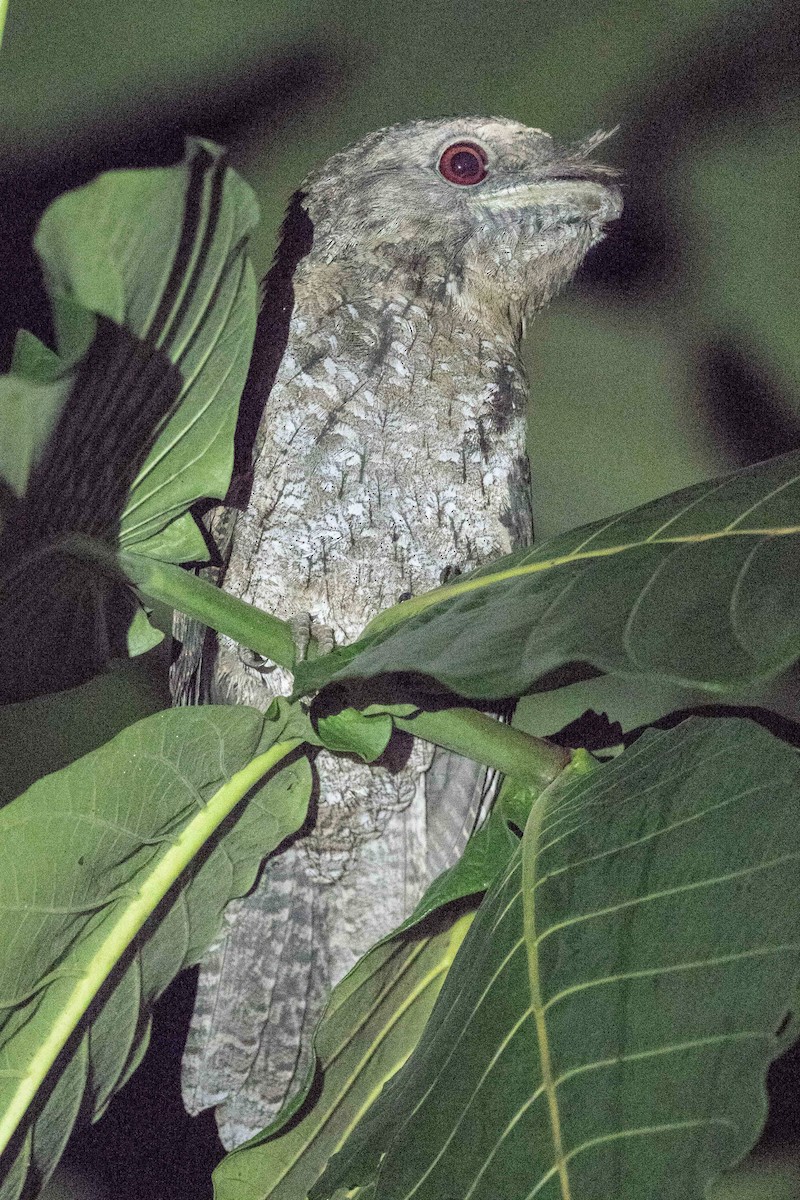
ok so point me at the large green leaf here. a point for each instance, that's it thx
(698, 587)
(103, 899)
(112, 440)
(607, 1024)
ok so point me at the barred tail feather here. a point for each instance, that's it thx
(262, 988)
(312, 915)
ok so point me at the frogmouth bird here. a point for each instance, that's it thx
(390, 456)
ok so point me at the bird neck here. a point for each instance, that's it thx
(363, 305)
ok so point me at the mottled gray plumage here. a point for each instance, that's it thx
(391, 455)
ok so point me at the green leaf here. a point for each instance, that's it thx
(698, 588)
(103, 900)
(162, 253)
(142, 636)
(29, 411)
(606, 1027)
(353, 732)
(43, 735)
(33, 360)
(180, 541)
(150, 268)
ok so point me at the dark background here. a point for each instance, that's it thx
(674, 358)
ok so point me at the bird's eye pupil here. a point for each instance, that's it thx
(463, 163)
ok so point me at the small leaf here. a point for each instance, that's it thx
(142, 636)
(29, 411)
(180, 541)
(351, 732)
(33, 360)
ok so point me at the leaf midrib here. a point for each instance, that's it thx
(530, 844)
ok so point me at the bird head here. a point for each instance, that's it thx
(484, 214)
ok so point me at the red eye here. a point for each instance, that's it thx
(463, 163)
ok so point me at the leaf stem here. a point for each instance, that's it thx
(471, 733)
(180, 589)
(132, 916)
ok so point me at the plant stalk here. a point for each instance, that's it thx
(203, 601)
(473, 734)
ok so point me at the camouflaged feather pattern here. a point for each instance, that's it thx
(391, 454)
